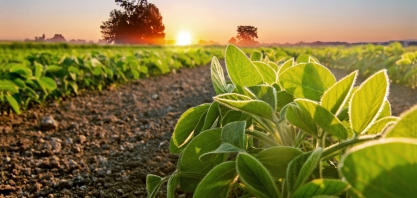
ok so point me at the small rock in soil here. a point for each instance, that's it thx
(48, 123)
(155, 96)
(73, 165)
(56, 144)
(120, 191)
(82, 139)
(65, 184)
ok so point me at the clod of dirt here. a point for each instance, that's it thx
(48, 123)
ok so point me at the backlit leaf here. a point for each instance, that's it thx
(379, 125)
(234, 133)
(307, 80)
(218, 182)
(301, 119)
(276, 159)
(255, 176)
(240, 68)
(245, 104)
(337, 95)
(300, 169)
(13, 103)
(367, 101)
(382, 168)
(327, 187)
(267, 72)
(153, 183)
(407, 126)
(265, 93)
(183, 131)
(189, 160)
(324, 118)
(217, 77)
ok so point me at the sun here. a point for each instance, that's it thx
(184, 38)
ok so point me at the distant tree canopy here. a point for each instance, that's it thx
(232, 41)
(246, 35)
(139, 22)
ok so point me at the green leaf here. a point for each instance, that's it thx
(8, 86)
(189, 160)
(22, 70)
(323, 118)
(337, 95)
(246, 104)
(200, 124)
(319, 187)
(287, 64)
(283, 98)
(153, 183)
(276, 159)
(234, 133)
(381, 124)
(143, 69)
(218, 182)
(38, 70)
(217, 77)
(241, 70)
(19, 82)
(228, 116)
(300, 169)
(301, 119)
(306, 58)
(225, 148)
(406, 126)
(386, 110)
(256, 55)
(267, 72)
(48, 83)
(212, 116)
(274, 66)
(255, 176)
(382, 168)
(307, 80)
(13, 103)
(265, 93)
(367, 101)
(184, 129)
(53, 68)
(74, 87)
(172, 185)
(135, 74)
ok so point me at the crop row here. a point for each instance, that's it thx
(28, 76)
(292, 131)
(401, 64)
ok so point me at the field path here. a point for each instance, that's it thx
(106, 143)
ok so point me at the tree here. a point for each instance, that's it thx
(57, 38)
(246, 35)
(232, 41)
(139, 22)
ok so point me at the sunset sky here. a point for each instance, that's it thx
(217, 20)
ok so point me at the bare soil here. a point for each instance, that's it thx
(103, 144)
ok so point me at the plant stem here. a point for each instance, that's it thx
(334, 148)
(262, 136)
(300, 138)
(322, 142)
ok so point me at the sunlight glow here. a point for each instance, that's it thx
(184, 38)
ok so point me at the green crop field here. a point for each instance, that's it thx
(278, 102)
(38, 72)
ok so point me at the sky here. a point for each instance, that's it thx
(277, 20)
